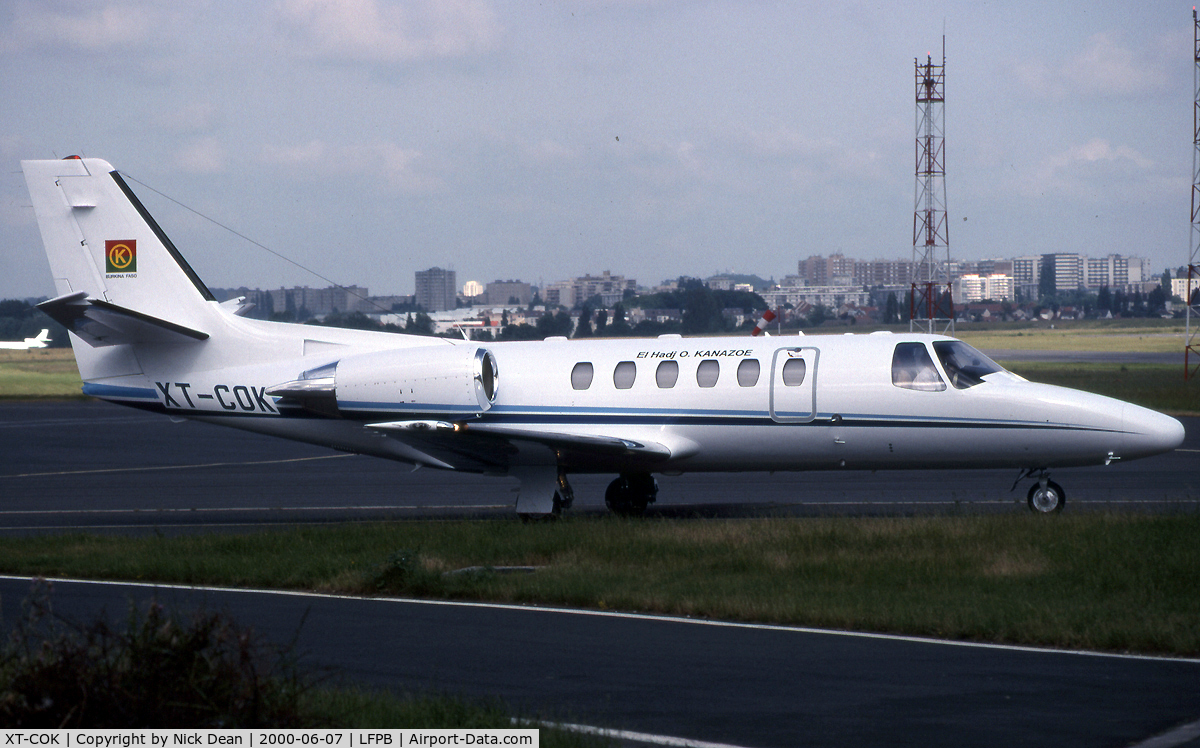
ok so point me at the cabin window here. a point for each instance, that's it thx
(965, 366)
(794, 370)
(913, 369)
(667, 374)
(747, 373)
(581, 376)
(624, 375)
(707, 372)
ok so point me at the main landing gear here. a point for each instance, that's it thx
(630, 494)
(1045, 496)
(543, 493)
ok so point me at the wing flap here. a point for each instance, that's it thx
(497, 445)
(101, 323)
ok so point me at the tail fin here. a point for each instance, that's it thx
(104, 247)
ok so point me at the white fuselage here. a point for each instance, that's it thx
(713, 404)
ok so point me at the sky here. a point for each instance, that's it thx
(368, 139)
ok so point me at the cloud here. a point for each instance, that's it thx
(204, 156)
(399, 167)
(80, 25)
(307, 155)
(1104, 68)
(388, 31)
(810, 160)
(1088, 170)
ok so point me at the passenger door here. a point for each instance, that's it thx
(794, 385)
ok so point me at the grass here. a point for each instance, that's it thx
(41, 373)
(1105, 582)
(1100, 339)
(1157, 386)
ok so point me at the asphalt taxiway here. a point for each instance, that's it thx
(702, 682)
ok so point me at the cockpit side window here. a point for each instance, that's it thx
(913, 369)
(965, 366)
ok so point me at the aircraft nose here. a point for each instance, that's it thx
(1150, 433)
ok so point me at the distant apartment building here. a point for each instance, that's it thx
(1114, 271)
(436, 289)
(1179, 287)
(610, 288)
(829, 296)
(303, 301)
(1063, 272)
(974, 287)
(508, 293)
(838, 270)
(560, 293)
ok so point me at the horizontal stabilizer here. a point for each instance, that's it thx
(100, 323)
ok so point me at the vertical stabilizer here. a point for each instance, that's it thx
(120, 281)
(101, 241)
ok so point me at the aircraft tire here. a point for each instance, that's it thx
(629, 495)
(1048, 500)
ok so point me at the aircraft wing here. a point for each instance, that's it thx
(100, 323)
(474, 446)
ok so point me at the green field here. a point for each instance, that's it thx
(1105, 582)
(42, 373)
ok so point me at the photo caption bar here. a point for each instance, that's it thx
(267, 738)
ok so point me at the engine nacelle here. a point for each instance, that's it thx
(452, 379)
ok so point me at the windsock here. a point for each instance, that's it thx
(767, 318)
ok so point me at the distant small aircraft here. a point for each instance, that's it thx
(40, 341)
(147, 333)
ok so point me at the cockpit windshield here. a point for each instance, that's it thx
(965, 366)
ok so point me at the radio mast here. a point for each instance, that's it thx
(931, 302)
(1191, 351)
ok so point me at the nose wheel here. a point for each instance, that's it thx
(1046, 496)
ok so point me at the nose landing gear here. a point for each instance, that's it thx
(1045, 496)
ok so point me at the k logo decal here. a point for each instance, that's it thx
(120, 256)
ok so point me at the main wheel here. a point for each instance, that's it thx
(1048, 499)
(629, 495)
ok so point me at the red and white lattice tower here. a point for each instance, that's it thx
(931, 304)
(1191, 346)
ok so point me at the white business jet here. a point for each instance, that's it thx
(147, 333)
(42, 339)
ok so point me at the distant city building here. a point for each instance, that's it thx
(974, 287)
(436, 289)
(829, 296)
(610, 288)
(1114, 271)
(1063, 271)
(838, 270)
(302, 301)
(471, 289)
(508, 293)
(560, 293)
(1179, 287)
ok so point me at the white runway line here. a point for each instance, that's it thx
(174, 467)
